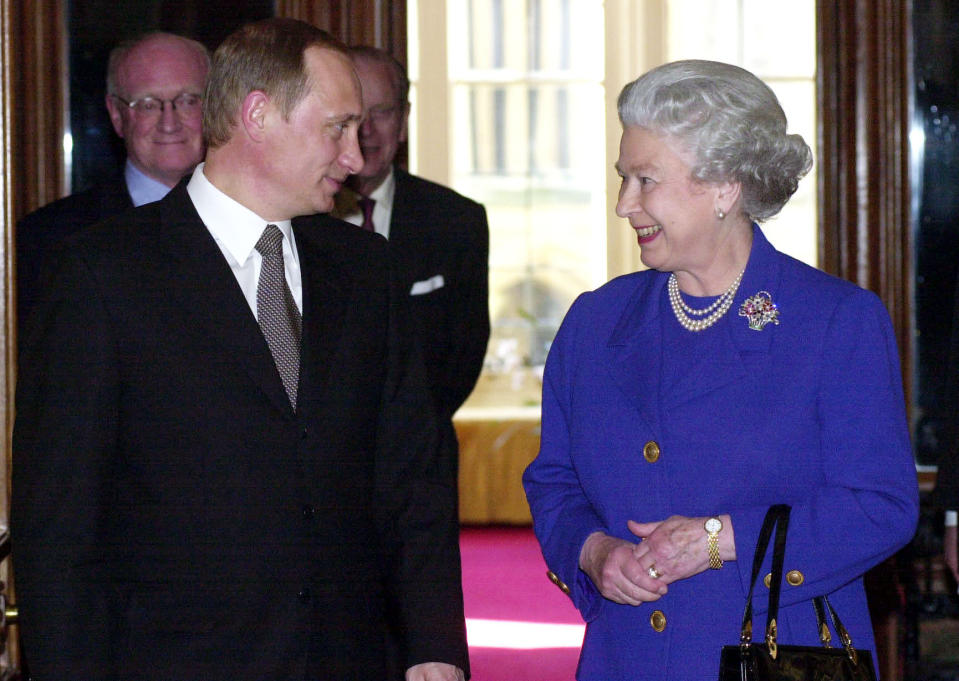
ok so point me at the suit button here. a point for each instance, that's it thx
(308, 511)
(651, 451)
(793, 578)
(657, 620)
(304, 595)
(304, 434)
(554, 578)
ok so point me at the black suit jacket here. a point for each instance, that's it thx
(174, 518)
(440, 240)
(40, 233)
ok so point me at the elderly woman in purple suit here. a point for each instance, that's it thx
(682, 401)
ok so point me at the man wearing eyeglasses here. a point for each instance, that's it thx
(154, 97)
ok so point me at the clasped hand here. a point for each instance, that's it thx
(675, 548)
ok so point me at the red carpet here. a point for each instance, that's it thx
(508, 601)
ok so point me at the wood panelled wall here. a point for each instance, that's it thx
(864, 91)
(380, 23)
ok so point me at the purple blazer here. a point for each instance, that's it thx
(808, 412)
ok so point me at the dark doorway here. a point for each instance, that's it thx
(936, 214)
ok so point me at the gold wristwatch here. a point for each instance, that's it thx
(713, 526)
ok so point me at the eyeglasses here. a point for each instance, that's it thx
(381, 114)
(186, 104)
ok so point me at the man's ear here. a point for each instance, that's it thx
(254, 114)
(116, 115)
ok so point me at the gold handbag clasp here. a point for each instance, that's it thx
(771, 639)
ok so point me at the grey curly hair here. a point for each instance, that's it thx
(729, 121)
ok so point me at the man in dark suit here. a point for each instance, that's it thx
(440, 238)
(154, 89)
(225, 448)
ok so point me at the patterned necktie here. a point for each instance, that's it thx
(366, 205)
(276, 311)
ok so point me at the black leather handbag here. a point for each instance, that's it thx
(772, 661)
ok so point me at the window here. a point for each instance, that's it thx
(526, 90)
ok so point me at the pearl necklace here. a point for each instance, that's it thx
(709, 315)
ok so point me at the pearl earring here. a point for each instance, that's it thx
(720, 214)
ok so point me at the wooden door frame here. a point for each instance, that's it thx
(864, 90)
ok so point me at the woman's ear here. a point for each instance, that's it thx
(727, 196)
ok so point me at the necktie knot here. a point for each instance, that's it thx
(271, 241)
(366, 205)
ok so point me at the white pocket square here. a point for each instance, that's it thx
(427, 285)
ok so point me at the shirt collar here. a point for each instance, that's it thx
(386, 190)
(232, 224)
(143, 188)
(346, 207)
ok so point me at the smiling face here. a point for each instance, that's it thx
(675, 217)
(384, 127)
(310, 153)
(164, 146)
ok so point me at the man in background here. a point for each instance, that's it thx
(225, 452)
(154, 97)
(439, 238)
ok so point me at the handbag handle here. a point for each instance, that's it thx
(778, 516)
(837, 624)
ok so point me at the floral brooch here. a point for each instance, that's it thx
(759, 310)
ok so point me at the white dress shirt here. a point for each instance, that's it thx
(236, 229)
(382, 210)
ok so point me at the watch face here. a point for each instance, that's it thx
(713, 525)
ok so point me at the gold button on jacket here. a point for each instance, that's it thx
(558, 582)
(651, 451)
(795, 578)
(657, 620)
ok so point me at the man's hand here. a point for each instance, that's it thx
(434, 671)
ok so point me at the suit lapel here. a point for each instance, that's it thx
(701, 373)
(403, 222)
(326, 284)
(206, 291)
(635, 351)
(764, 273)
